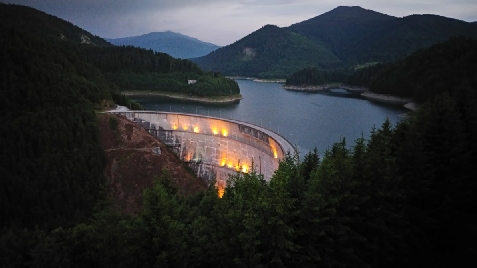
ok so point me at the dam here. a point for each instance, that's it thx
(216, 147)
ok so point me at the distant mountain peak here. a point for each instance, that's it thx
(351, 15)
(175, 44)
(348, 8)
(354, 11)
(270, 26)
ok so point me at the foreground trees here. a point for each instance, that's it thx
(403, 197)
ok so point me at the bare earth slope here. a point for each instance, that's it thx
(133, 160)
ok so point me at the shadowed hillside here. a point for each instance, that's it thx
(447, 67)
(134, 158)
(52, 83)
(406, 197)
(48, 26)
(268, 52)
(358, 35)
(342, 37)
(344, 29)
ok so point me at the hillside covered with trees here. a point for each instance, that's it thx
(314, 76)
(357, 35)
(128, 68)
(427, 73)
(405, 197)
(341, 38)
(446, 67)
(134, 69)
(52, 84)
(52, 162)
(269, 52)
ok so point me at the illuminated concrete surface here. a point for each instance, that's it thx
(216, 147)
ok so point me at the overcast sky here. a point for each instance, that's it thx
(222, 22)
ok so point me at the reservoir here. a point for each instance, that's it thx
(306, 119)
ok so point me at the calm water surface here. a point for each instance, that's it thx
(306, 119)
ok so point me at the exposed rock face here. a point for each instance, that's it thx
(249, 53)
(86, 40)
(134, 158)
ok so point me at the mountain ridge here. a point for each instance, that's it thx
(268, 52)
(175, 44)
(352, 35)
(56, 28)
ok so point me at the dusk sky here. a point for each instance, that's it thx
(222, 22)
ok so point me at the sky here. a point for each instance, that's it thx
(222, 22)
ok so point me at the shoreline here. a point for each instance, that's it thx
(219, 99)
(364, 92)
(386, 98)
(312, 88)
(407, 103)
(259, 80)
(318, 88)
(278, 81)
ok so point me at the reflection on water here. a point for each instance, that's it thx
(306, 119)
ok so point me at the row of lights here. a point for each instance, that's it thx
(244, 168)
(196, 129)
(215, 131)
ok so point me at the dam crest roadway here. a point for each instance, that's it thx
(215, 147)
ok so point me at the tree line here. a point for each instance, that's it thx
(421, 76)
(51, 158)
(314, 76)
(404, 197)
(135, 69)
(51, 87)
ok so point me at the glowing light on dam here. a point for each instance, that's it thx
(214, 147)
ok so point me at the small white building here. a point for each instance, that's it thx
(191, 81)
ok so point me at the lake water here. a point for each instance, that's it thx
(306, 119)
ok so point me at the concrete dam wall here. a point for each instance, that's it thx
(216, 147)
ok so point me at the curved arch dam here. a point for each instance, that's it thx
(216, 147)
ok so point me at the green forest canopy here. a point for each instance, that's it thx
(421, 76)
(405, 197)
(135, 69)
(339, 39)
(52, 162)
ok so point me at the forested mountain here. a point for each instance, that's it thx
(137, 69)
(358, 35)
(51, 160)
(51, 84)
(128, 68)
(446, 67)
(268, 53)
(314, 76)
(38, 23)
(362, 77)
(404, 198)
(343, 37)
(406, 35)
(175, 44)
(343, 29)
